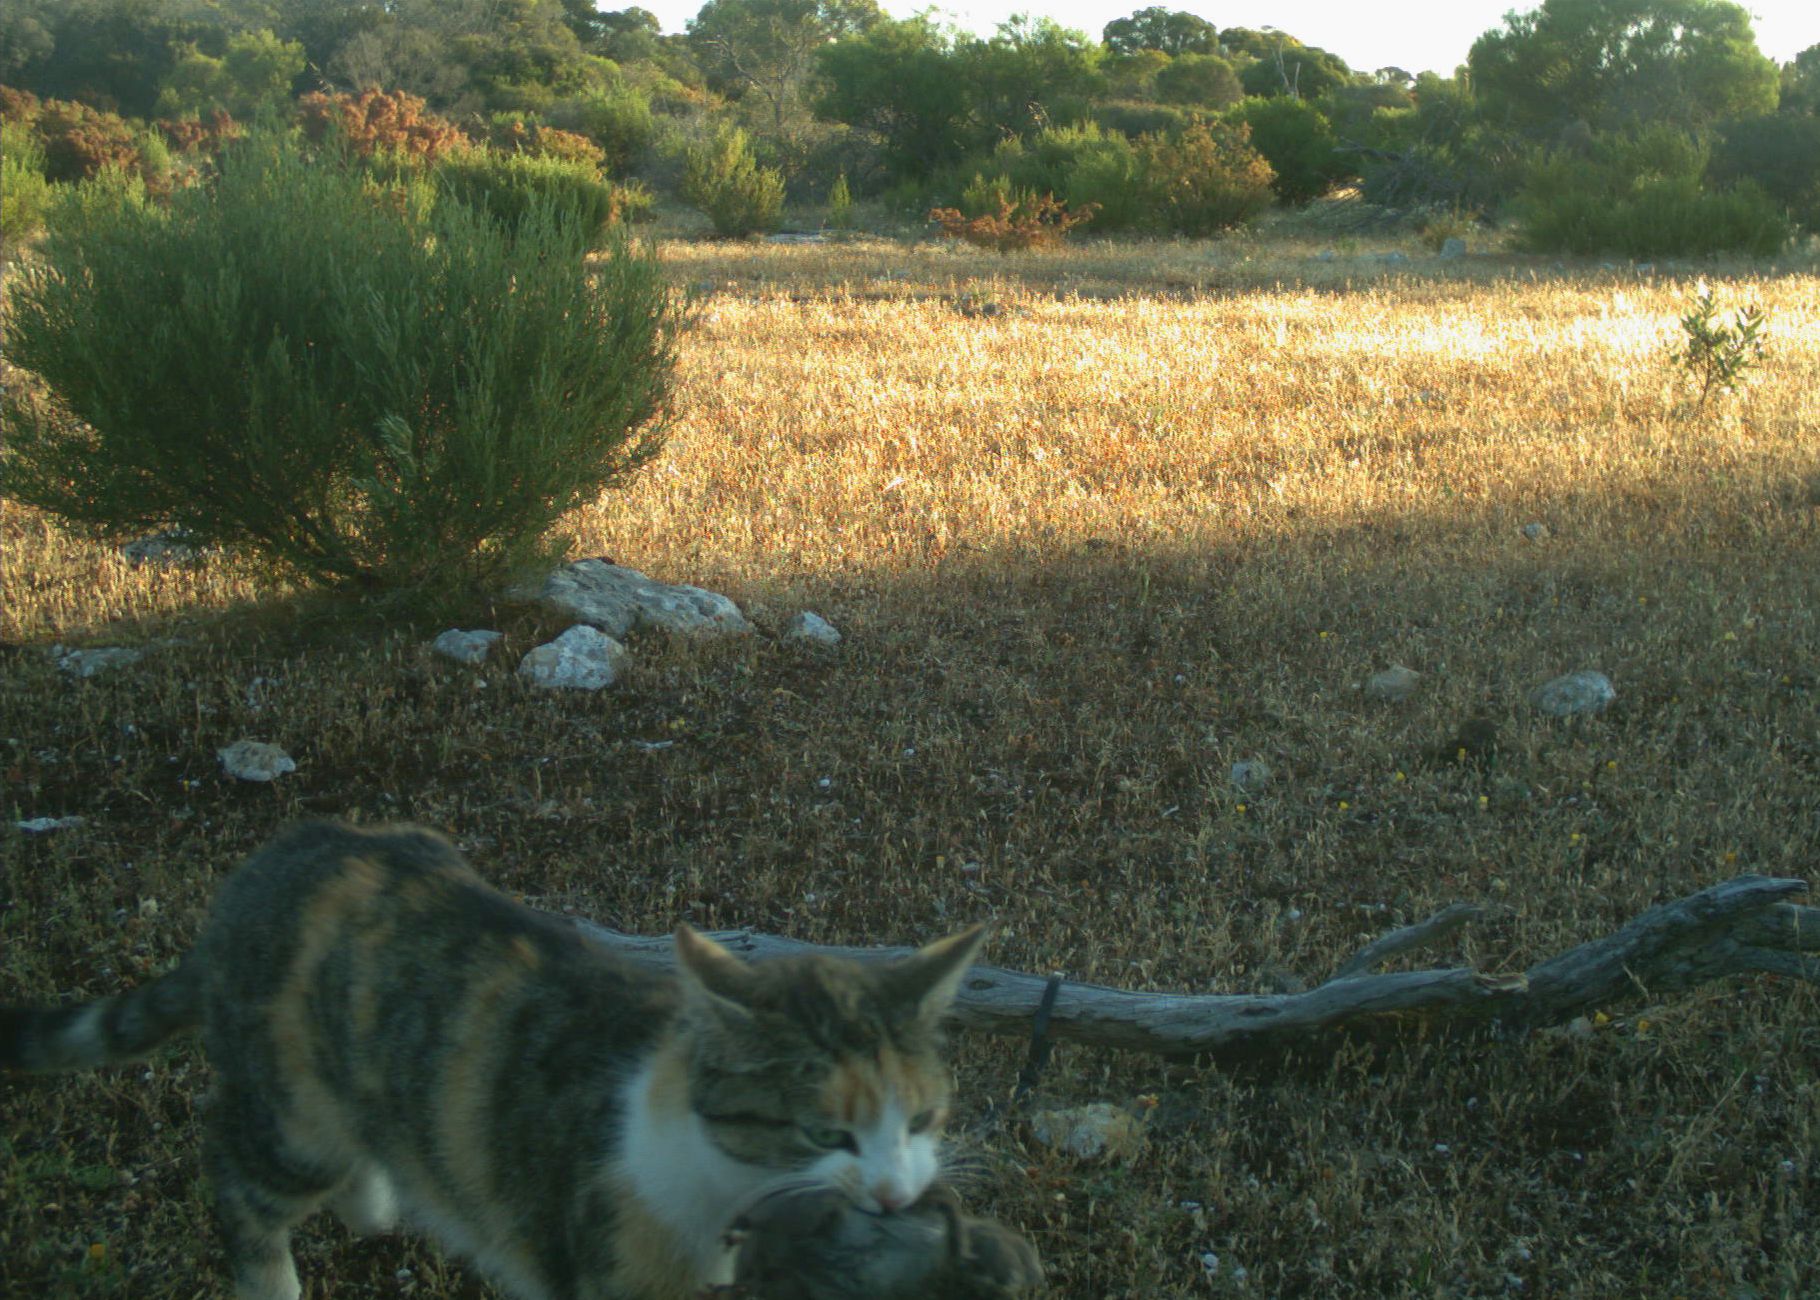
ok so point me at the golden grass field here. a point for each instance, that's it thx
(1166, 511)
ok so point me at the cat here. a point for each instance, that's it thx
(390, 1036)
(812, 1244)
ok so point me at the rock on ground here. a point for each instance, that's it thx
(87, 663)
(466, 647)
(1087, 1132)
(1394, 685)
(1583, 692)
(170, 549)
(1453, 247)
(583, 658)
(618, 600)
(255, 760)
(812, 628)
(1250, 775)
(45, 825)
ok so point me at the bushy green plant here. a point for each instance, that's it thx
(1781, 153)
(722, 178)
(617, 120)
(1297, 141)
(1206, 180)
(1718, 354)
(25, 194)
(1643, 196)
(840, 204)
(510, 187)
(280, 363)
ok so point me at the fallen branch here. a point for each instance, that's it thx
(1744, 926)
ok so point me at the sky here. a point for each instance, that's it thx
(1416, 38)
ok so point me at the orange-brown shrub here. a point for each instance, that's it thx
(518, 136)
(201, 135)
(80, 142)
(17, 105)
(380, 121)
(1029, 221)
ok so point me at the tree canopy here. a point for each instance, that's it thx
(1619, 64)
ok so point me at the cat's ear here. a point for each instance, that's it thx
(931, 975)
(711, 974)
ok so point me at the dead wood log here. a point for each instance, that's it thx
(1744, 926)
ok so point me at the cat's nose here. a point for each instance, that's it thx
(890, 1197)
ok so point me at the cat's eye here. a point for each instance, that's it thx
(925, 1120)
(829, 1138)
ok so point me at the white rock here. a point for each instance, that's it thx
(170, 549)
(87, 663)
(618, 600)
(45, 825)
(1453, 247)
(1394, 685)
(1250, 774)
(583, 659)
(1536, 532)
(1087, 1132)
(812, 628)
(1394, 259)
(254, 760)
(1576, 693)
(466, 647)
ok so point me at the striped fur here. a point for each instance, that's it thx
(388, 1034)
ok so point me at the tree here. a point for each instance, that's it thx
(1169, 30)
(1619, 64)
(767, 48)
(630, 35)
(1200, 79)
(257, 70)
(898, 82)
(1032, 72)
(1282, 65)
(1801, 82)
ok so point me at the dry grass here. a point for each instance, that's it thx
(1166, 511)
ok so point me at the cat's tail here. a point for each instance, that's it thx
(122, 1028)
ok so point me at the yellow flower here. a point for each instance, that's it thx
(97, 1251)
(1241, 807)
(1574, 838)
(1401, 777)
(1344, 805)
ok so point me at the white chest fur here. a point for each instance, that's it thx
(684, 1181)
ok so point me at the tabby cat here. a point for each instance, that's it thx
(391, 1036)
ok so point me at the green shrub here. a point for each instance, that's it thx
(1132, 118)
(1206, 180)
(1298, 143)
(1718, 354)
(724, 180)
(840, 204)
(619, 121)
(1643, 196)
(25, 194)
(280, 363)
(509, 187)
(1781, 153)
